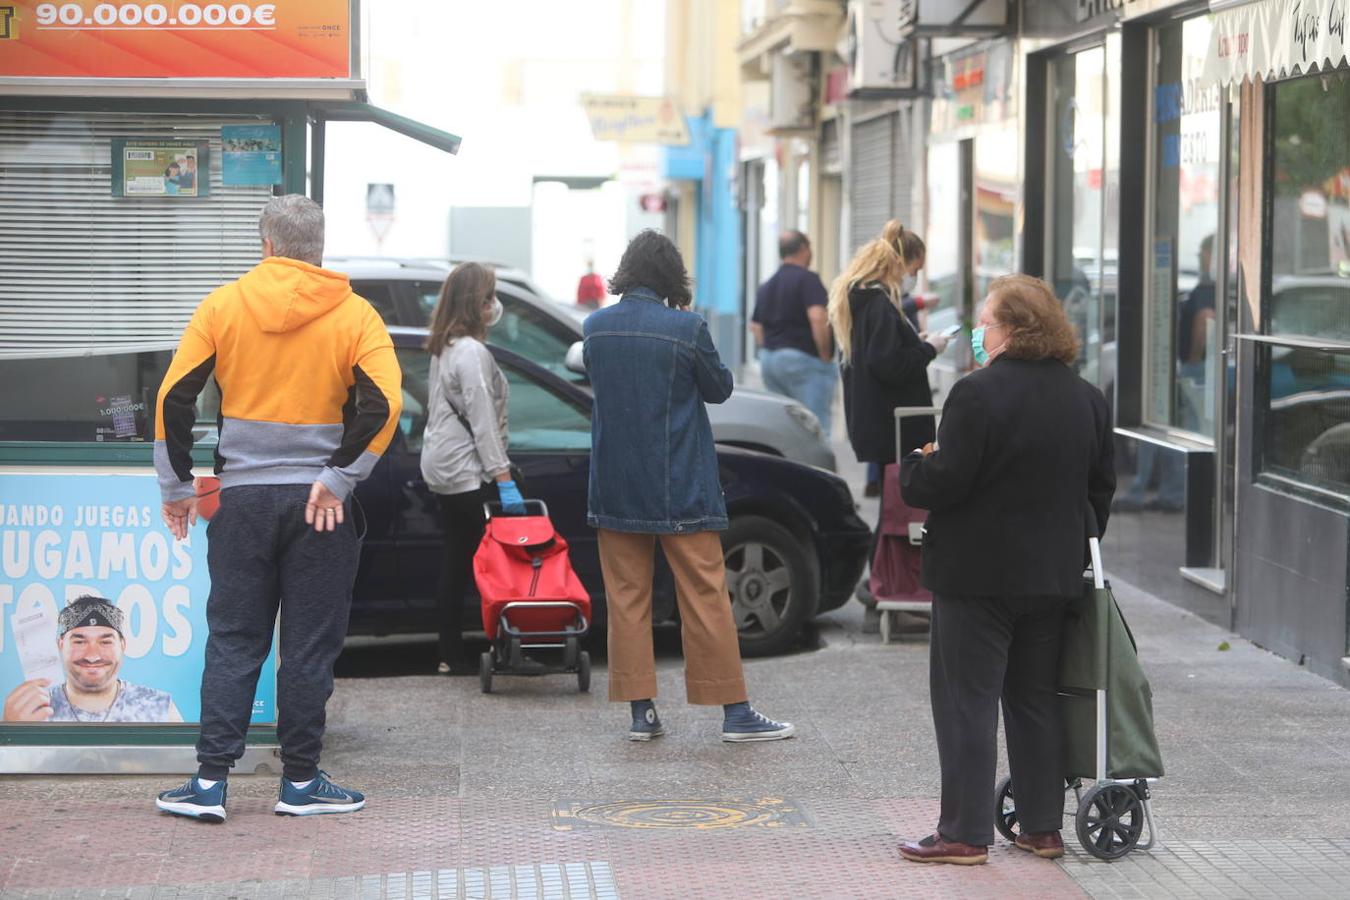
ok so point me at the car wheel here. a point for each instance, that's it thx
(774, 583)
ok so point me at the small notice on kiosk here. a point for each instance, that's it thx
(252, 154)
(143, 168)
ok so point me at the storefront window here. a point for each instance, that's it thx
(1183, 338)
(995, 200)
(1304, 414)
(1079, 269)
(943, 234)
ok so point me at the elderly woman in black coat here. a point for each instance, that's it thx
(1023, 459)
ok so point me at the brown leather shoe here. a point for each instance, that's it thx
(1045, 844)
(936, 849)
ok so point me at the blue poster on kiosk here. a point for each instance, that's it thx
(102, 612)
(252, 154)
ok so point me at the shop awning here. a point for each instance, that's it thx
(356, 111)
(1274, 39)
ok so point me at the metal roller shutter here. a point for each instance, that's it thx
(870, 190)
(83, 272)
(883, 175)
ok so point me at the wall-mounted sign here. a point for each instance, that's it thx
(149, 168)
(252, 154)
(134, 655)
(635, 120)
(172, 39)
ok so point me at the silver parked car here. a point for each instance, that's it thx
(543, 331)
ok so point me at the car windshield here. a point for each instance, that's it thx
(540, 418)
(524, 329)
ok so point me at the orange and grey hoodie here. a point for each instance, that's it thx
(310, 387)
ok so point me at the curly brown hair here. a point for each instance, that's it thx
(1033, 319)
(653, 261)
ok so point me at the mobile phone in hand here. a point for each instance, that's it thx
(951, 330)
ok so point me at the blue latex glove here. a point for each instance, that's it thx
(512, 503)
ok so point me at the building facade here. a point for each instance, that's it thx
(1179, 172)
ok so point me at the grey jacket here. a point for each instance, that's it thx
(452, 461)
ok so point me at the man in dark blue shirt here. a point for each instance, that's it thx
(793, 331)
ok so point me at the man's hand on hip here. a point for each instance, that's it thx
(180, 515)
(323, 510)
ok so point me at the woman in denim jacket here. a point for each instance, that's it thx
(654, 475)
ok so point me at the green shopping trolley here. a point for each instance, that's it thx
(1111, 751)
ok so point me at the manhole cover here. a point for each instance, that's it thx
(698, 815)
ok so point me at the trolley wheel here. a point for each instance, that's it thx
(485, 671)
(1005, 810)
(584, 672)
(1110, 820)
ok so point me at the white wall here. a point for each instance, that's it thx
(506, 77)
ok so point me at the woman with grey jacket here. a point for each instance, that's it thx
(464, 458)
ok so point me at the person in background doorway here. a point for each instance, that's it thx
(1021, 476)
(792, 330)
(310, 398)
(1194, 316)
(464, 458)
(591, 288)
(654, 476)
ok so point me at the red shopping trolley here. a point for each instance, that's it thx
(532, 599)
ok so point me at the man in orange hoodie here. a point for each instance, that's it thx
(310, 395)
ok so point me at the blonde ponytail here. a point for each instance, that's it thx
(882, 261)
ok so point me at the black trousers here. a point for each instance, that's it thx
(984, 648)
(462, 525)
(262, 556)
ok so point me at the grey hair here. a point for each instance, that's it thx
(294, 225)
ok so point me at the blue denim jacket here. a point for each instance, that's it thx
(653, 462)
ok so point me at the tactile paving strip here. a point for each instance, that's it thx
(1306, 868)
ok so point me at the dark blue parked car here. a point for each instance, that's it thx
(796, 546)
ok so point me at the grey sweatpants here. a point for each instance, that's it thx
(262, 556)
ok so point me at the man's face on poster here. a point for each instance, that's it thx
(92, 656)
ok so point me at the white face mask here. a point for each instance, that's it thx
(495, 315)
(907, 284)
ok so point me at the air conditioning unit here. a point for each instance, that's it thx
(792, 95)
(882, 63)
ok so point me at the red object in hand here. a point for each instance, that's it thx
(208, 495)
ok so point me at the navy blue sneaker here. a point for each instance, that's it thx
(646, 723)
(194, 801)
(318, 797)
(741, 723)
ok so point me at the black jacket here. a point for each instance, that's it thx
(888, 368)
(1024, 446)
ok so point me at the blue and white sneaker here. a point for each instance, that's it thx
(194, 801)
(646, 723)
(319, 797)
(741, 724)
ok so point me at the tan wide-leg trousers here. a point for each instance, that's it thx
(712, 656)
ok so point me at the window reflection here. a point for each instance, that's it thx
(1184, 338)
(1079, 271)
(1305, 416)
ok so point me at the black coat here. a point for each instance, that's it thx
(1023, 448)
(888, 367)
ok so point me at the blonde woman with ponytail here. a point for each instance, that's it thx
(885, 358)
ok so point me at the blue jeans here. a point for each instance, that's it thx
(806, 378)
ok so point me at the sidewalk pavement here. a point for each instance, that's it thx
(533, 792)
